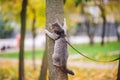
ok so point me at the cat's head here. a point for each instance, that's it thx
(57, 28)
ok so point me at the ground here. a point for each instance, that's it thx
(84, 70)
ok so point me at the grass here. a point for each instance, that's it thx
(28, 54)
(96, 51)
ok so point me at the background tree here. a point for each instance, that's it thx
(6, 31)
(118, 75)
(35, 20)
(117, 30)
(54, 10)
(100, 4)
(33, 35)
(44, 66)
(89, 29)
(23, 29)
(115, 10)
(103, 15)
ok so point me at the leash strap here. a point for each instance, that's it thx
(91, 58)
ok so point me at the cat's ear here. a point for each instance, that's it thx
(57, 21)
(64, 22)
(64, 25)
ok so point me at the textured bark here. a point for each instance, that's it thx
(43, 71)
(23, 29)
(118, 75)
(54, 11)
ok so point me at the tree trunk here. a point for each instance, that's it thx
(33, 54)
(104, 22)
(43, 71)
(103, 30)
(89, 33)
(118, 75)
(108, 31)
(101, 7)
(54, 11)
(33, 34)
(117, 32)
(23, 29)
(91, 40)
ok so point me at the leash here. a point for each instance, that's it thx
(89, 57)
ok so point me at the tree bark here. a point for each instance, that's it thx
(118, 75)
(54, 11)
(23, 29)
(43, 71)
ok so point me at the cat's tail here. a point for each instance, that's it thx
(66, 70)
(69, 71)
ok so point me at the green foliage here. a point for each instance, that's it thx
(39, 7)
(11, 9)
(64, 1)
(5, 29)
(77, 2)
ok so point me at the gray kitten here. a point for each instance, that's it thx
(60, 54)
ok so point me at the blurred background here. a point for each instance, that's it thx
(93, 27)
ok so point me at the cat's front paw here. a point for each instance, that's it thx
(45, 30)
